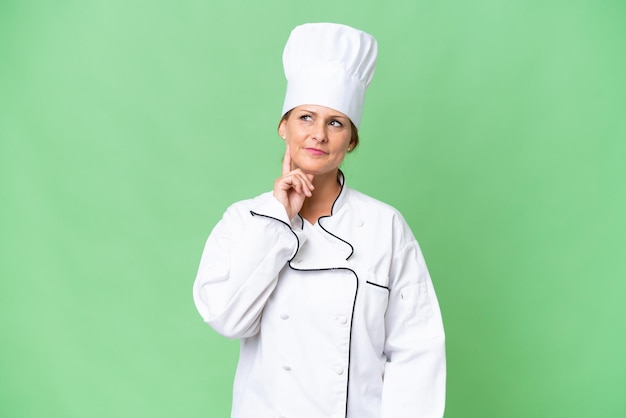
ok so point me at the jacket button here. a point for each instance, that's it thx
(285, 367)
(342, 320)
(339, 370)
(284, 316)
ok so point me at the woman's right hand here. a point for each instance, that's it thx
(292, 187)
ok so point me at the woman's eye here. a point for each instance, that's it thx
(305, 117)
(336, 123)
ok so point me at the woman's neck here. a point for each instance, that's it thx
(327, 188)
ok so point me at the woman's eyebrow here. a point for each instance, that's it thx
(329, 116)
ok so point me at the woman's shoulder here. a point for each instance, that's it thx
(263, 197)
(241, 212)
(377, 212)
(370, 204)
(247, 205)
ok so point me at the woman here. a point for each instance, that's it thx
(326, 287)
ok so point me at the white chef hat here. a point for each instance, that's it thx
(330, 65)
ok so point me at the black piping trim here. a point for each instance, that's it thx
(287, 225)
(356, 292)
(328, 269)
(377, 285)
(332, 209)
(319, 222)
(350, 339)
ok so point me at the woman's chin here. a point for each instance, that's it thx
(317, 171)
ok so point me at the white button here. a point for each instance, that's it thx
(286, 367)
(339, 370)
(284, 316)
(342, 320)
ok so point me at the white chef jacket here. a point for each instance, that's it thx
(336, 319)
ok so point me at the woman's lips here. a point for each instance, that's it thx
(315, 151)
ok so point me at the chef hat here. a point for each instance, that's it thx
(330, 65)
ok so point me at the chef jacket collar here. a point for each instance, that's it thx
(342, 250)
(341, 198)
(339, 220)
(339, 202)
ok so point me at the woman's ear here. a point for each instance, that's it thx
(282, 129)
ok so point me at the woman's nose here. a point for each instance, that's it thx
(319, 132)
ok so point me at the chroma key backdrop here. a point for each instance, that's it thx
(127, 128)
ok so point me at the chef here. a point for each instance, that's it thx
(325, 287)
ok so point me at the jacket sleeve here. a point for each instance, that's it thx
(415, 372)
(240, 264)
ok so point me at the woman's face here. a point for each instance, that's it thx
(318, 138)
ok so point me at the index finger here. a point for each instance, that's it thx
(286, 161)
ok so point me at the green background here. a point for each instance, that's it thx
(127, 127)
